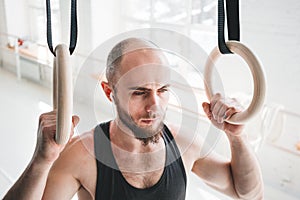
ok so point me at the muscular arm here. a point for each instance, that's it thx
(245, 169)
(32, 182)
(74, 170)
(42, 180)
(62, 182)
(241, 176)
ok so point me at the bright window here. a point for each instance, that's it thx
(37, 14)
(195, 18)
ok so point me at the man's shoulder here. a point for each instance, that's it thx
(187, 140)
(76, 162)
(180, 132)
(172, 128)
(79, 147)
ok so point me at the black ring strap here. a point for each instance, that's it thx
(233, 23)
(73, 31)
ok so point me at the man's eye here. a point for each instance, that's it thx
(138, 93)
(163, 90)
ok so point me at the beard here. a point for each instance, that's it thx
(149, 134)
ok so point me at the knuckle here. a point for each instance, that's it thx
(214, 114)
(44, 129)
(232, 109)
(215, 98)
(43, 123)
(42, 117)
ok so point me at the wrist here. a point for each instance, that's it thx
(40, 163)
(237, 138)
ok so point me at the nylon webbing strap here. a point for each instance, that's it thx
(73, 31)
(49, 30)
(73, 39)
(233, 23)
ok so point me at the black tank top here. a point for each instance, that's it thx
(111, 184)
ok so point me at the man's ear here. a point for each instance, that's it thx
(107, 90)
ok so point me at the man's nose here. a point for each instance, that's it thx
(153, 102)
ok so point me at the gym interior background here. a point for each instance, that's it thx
(270, 28)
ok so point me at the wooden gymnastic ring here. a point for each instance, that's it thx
(62, 93)
(257, 74)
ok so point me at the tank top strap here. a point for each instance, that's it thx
(173, 152)
(103, 151)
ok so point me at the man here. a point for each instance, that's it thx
(136, 155)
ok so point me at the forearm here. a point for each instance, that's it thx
(245, 169)
(31, 184)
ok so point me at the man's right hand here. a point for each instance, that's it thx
(32, 182)
(47, 150)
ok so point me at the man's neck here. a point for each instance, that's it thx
(132, 155)
(123, 138)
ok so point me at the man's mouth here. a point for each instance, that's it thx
(148, 121)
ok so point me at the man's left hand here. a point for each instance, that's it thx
(221, 109)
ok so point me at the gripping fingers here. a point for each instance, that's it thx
(75, 121)
(230, 111)
(216, 110)
(206, 108)
(214, 100)
(221, 116)
(48, 128)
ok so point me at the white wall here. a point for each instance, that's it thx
(17, 25)
(272, 29)
(3, 28)
(105, 20)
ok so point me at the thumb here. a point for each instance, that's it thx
(206, 108)
(75, 120)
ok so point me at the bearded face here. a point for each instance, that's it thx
(141, 93)
(143, 117)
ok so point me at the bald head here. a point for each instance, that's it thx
(130, 53)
